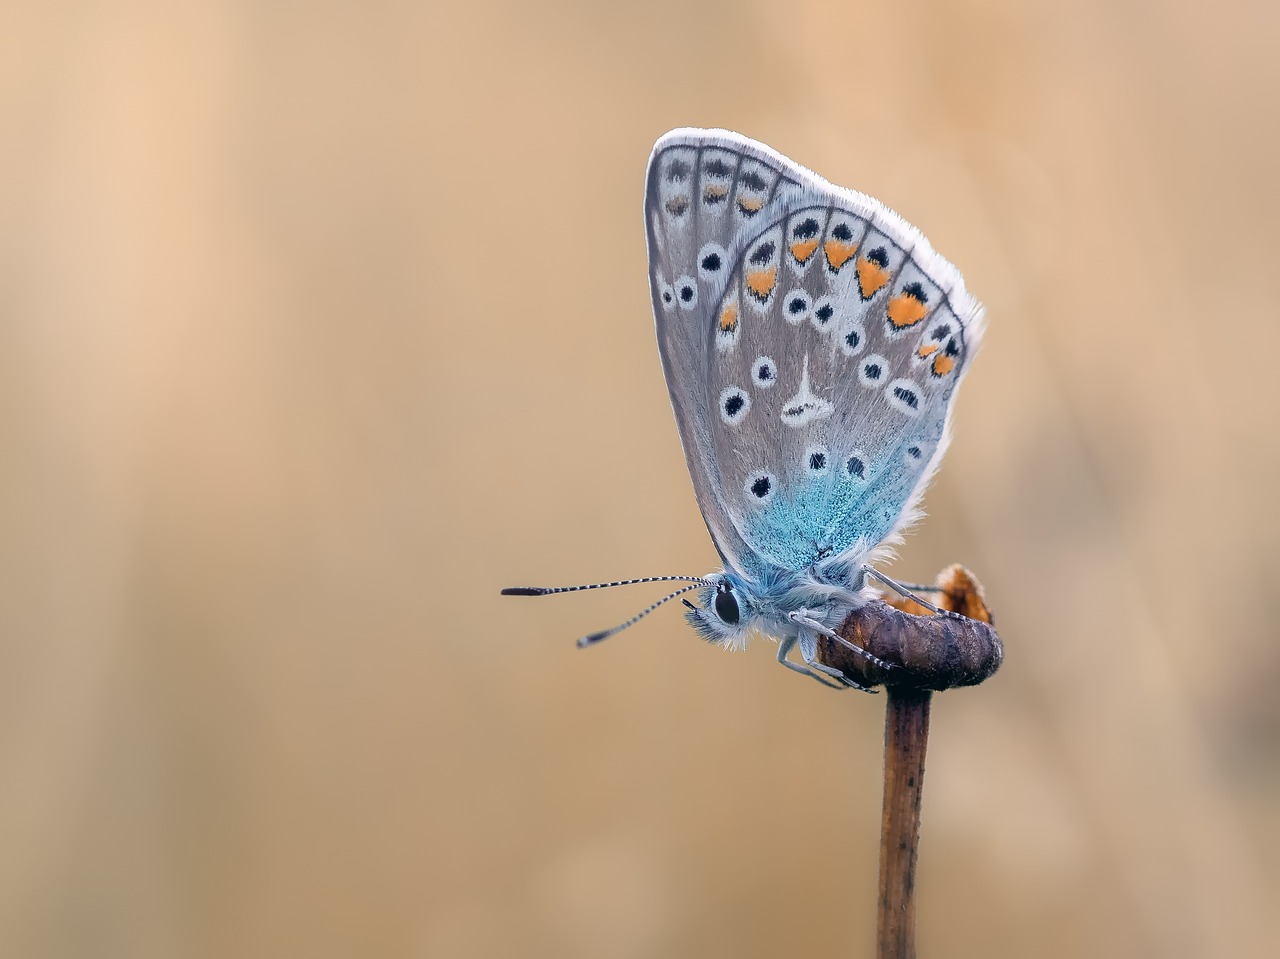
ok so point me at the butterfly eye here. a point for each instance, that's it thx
(726, 606)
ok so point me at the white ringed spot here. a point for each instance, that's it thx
(764, 372)
(734, 405)
(873, 371)
(904, 396)
(686, 289)
(760, 486)
(795, 306)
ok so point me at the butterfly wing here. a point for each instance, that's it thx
(812, 342)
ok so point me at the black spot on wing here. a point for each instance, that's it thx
(916, 291)
(806, 230)
(717, 168)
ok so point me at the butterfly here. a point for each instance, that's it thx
(812, 342)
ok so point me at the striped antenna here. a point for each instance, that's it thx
(594, 638)
(548, 590)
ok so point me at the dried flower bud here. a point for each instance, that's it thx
(928, 651)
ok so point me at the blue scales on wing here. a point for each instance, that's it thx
(812, 342)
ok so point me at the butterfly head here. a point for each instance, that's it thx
(725, 611)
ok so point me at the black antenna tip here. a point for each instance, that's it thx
(524, 591)
(594, 638)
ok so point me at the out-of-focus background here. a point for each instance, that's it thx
(319, 323)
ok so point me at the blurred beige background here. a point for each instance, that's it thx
(321, 322)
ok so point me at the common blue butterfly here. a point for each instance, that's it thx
(812, 342)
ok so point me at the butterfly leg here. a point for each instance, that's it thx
(786, 645)
(802, 618)
(809, 653)
(902, 589)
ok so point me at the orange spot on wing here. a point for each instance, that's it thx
(761, 282)
(803, 249)
(928, 350)
(838, 253)
(942, 365)
(750, 204)
(729, 318)
(870, 277)
(715, 191)
(905, 310)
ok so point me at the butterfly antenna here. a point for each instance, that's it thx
(548, 590)
(594, 638)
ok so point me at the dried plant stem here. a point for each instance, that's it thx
(906, 735)
(929, 653)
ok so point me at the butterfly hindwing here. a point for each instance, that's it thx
(812, 370)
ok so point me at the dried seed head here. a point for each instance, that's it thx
(928, 651)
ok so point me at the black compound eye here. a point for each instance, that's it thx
(727, 606)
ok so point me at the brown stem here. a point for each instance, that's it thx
(906, 736)
(925, 653)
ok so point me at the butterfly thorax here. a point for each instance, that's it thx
(733, 605)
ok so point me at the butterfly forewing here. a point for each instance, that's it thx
(699, 199)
